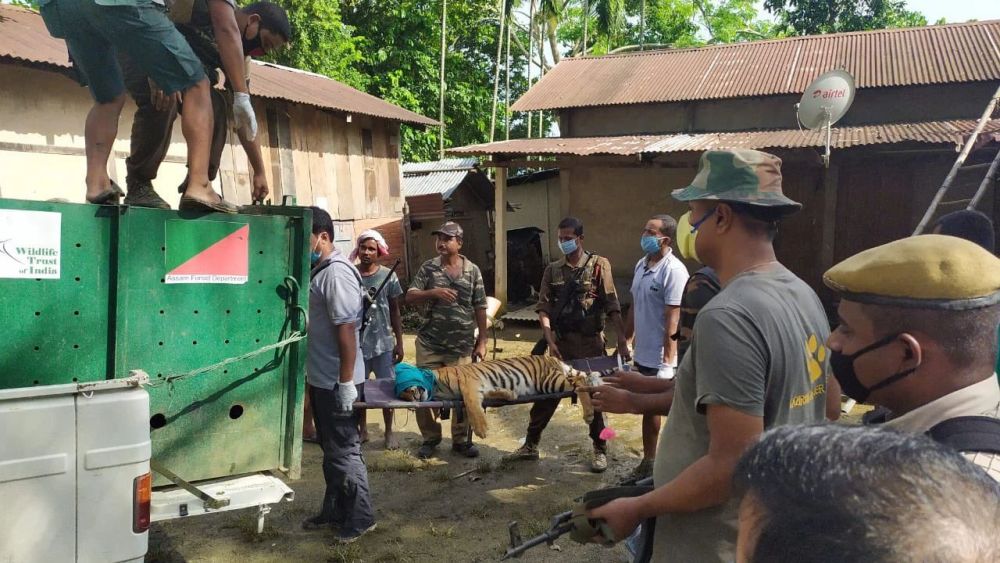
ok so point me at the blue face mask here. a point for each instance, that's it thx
(315, 255)
(650, 244)
(568, 246)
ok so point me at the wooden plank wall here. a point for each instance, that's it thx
(317, 156)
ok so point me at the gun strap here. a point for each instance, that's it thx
(564, 298)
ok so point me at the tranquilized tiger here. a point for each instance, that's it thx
(506, 379)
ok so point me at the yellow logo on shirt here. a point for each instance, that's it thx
(815, 356)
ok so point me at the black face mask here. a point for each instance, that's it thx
(253, 47)
(843, 369)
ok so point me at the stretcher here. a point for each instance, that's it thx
(381, 393)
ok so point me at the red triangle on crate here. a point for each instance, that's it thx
(228, 257)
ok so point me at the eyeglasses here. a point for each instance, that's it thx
(696, 224)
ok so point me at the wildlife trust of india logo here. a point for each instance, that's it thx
(815, 356)
(30, 244)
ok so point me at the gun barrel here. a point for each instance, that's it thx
(545, 537)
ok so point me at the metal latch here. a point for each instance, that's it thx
(210, 501)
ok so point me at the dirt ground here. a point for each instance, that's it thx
(445, 509)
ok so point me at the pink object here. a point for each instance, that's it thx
(608, 434)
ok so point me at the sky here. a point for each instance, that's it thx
(955, 11)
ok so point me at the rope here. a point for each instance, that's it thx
(171, 378)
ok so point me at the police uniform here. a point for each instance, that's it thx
(930, 272)
(579, 326)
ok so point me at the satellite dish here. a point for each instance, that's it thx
(825, 101)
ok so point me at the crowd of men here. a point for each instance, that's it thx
(193, 60)
(741, 357)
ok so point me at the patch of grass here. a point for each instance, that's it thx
(485, 465)
(395, 555)
(532, 527)
(442, 532)
(439, 476)
(247, 526)
(396, 461)
(482, 511)
(345, 553)
(504, 464)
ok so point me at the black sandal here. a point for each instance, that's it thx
(109, 196)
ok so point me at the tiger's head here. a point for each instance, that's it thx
(414, 394)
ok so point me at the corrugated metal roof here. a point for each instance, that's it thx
(444, 183)
(440, 165)
(24, 39)
(965, 52)
(934, 132)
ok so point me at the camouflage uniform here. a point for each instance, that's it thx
(447, 336)
(699, 290)
(578, 338)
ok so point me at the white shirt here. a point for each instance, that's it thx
(978, 399)
(653, 289)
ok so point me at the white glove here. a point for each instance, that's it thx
(346, 395)
(246, 120)
(665, 372)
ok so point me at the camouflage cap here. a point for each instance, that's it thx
(741, 175)
(450, 228)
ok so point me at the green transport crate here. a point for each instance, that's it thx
(89, 293)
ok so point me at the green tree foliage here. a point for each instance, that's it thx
(321, 42)
(810, 17)
(665, 24)
(401, 41)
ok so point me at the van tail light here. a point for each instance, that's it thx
(142, 493)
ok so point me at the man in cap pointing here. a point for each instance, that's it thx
(756, 361)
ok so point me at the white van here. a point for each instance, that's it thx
(74, 472)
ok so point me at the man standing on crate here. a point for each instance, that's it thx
(576, 294)
(452, 287)
(334, 368)
(224, 38)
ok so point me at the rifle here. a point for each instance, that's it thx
(564, 298)
(567, 522)
(371, 301)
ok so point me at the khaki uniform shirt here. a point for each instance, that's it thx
(601, 294)
(979, 399)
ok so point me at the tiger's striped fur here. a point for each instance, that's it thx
(508, 379)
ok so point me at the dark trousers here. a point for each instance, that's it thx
(347, 503)
(572, 347)
(152, 129)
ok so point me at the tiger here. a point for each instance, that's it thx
(506, 379)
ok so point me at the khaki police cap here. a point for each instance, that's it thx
(925, 272)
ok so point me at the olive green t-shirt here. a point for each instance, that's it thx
(757, 347)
